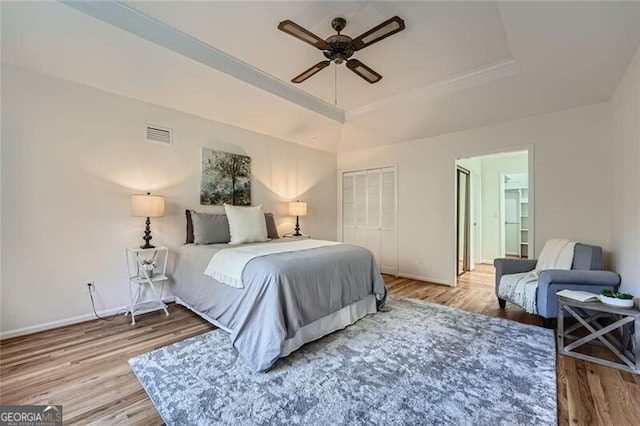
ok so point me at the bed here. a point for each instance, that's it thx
(288, 298)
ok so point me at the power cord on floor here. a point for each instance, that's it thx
(93, 306)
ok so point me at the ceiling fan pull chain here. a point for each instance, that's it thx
(335, 92)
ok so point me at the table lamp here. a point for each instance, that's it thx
(297, 209)
(147, 206)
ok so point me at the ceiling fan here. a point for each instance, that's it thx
(339, 48)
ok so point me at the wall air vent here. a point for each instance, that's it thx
(159, 135)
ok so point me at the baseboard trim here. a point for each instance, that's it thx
(486, 262)
(69, 321)
(427, 279)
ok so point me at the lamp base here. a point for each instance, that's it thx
(147, 236)
(297, 228)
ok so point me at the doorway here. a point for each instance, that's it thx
(515, 213)
(511, 222)
(463, 217)
(493, 209)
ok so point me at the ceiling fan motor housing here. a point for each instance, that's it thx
(340, 48)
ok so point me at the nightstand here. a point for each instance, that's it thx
(141, 275)
(294, 237)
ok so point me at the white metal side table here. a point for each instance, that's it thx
(625, 345)
(140, 276)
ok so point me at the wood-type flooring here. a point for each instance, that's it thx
(84, 366)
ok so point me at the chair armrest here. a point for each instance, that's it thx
(512, 266)
(552, 280)
(582, 277)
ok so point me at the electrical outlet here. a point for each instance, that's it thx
(421, 261)
(90, 286)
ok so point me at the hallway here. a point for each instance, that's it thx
(482, 276)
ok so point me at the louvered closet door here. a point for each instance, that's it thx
(368, 235)
(369, 219)
(348, 208)
(360, 200)
(388, 262)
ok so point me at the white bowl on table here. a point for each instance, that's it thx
(614, 302)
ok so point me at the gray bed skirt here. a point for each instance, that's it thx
(315, 330)
(288, 298)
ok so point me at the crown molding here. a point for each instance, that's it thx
(474, 77)
(137, 23)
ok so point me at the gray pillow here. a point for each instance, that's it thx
(210, 228)
(272, 229)
(189, 228)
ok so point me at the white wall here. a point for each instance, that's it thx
(71, 157)
(625, 106)
(572, 169)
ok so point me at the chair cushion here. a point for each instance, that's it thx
(587, 257)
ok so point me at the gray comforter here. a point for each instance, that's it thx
(283, 292)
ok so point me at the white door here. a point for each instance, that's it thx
(388, 262)
(369, 200)
(369, 235)
(512, 222)
(348, 208)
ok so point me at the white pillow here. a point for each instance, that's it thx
(246, 224)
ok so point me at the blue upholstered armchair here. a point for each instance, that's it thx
(586, 274)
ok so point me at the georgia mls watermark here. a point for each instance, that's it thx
(30, 415)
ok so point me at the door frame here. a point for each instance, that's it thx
(503, 232)
(530, 148)
(466, 257)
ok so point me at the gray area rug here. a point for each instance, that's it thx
(420, 363)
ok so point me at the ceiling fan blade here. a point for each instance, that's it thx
(311, 71)
(379, 32)
(300, 33)
(363, 71)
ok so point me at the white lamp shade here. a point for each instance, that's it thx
(147, 205)
(298, 208)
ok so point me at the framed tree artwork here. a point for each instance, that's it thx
(226, 178)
